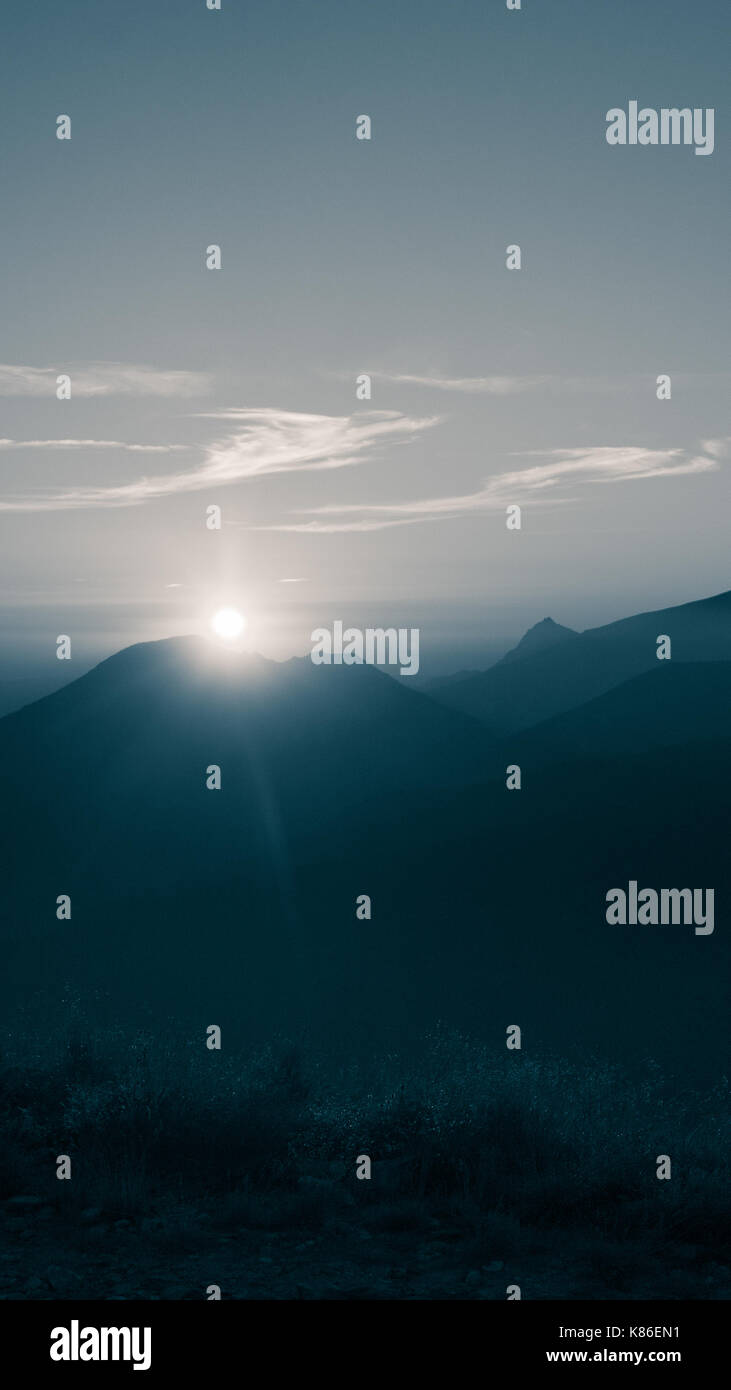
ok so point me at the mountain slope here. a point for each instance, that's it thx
(120, 756)
(674, 704)
(515, 694)
(542, 637)
(239, 906)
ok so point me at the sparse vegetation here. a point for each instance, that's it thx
(498, 1155)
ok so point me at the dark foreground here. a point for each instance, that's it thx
(192, 1168)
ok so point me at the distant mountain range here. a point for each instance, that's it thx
(553, 669)
(238, 905)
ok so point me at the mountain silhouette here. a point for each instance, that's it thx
(123, 752)
(517, 693)
(488, 905)
(543, 636)
(665, 707)
(540, 637)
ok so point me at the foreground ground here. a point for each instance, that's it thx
(191, 1169)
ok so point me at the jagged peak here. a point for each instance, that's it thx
(543, 634)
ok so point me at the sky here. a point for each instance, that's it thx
(237, 387)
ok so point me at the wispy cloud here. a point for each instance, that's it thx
(469, 385)
(717, 448)
(261, 442)
(542, 483)
(281, 441)
(75, 444)
(102, 379)
(512, 384)
(553, 383)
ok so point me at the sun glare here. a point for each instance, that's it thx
(228, 623)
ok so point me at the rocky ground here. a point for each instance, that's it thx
(177, 1253)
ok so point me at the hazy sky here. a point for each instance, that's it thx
(340, 257)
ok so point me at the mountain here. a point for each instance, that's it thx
(120, 755)
(238, 906)
(663, 708)
(542, 637)
(520, 692)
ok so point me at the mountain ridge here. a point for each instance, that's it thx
(517, 694)
(238, 902)
(542, 636)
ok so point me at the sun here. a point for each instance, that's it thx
(228, 623)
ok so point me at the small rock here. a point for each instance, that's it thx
(493, 1267)
(91, 1213)
(24, 1203)
(473, 1277)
